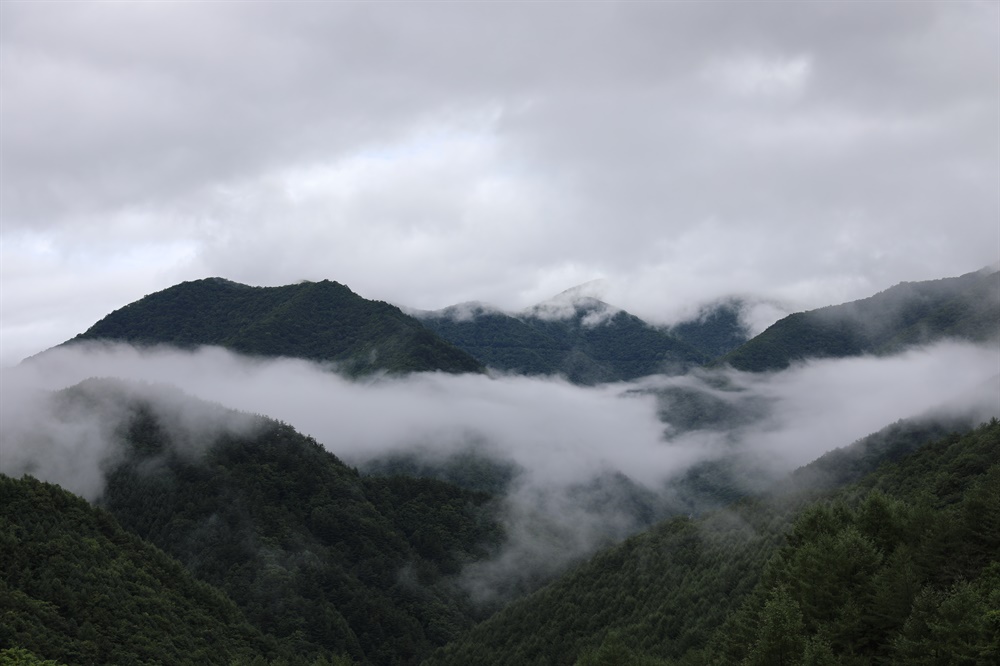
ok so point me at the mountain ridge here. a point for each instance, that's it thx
(580, 337)
(966, 307)
(319, 321)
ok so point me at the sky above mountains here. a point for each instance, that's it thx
(432, 153)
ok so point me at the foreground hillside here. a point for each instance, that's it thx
(904, 564)
(78, 589)
(319, 321)
(964, 308)
(311, 553)
(308, 560)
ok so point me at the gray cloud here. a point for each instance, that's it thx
(586, 453)
(503, 152)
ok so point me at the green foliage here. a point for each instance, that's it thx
(467, 469)
(780, 640)
(76, 588)
(794, 577)
(717, 330)
(311, 552)
(901, 568)
(614, 651)
(659, 592)
(319, 321)
(22, 657)
(621, 347)
(966, 308)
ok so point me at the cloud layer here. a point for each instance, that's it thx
(441, 153)
(561, 433)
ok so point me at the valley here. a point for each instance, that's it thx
(328, 480)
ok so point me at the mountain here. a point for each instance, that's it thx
(911, 313)
(77, 588)
(581, 338)
(309, 550)
(319, 321)
(902, 564)
(716, 330)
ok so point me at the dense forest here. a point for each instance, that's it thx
(899, 567)
(875, 553)
(229, 538)
(79, 589)
(309, 550)
(911, 313)
(717, 328)
(584, 340)
(587, 341)
(318, 321)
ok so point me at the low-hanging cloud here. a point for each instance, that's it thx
(572, 444)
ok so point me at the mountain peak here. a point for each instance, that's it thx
(583, 300)
(319, 321)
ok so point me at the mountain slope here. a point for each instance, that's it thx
(584, 339)
(716, 330)
(903, 568)
(75, 587)
(664, 593)
(319, 321)
(309, 550)
(966, 307)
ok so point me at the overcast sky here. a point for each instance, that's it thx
(433, 153)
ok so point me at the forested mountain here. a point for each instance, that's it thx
(583, 339)
(904, 564)
(716, 330)
(319, 321)
(78, 589)
(216, 523)
(966, 308)
(309, 550)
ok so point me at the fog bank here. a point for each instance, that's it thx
(588, 455)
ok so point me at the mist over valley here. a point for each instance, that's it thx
(556, 470)
(438, 334)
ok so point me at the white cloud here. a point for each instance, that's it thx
(757, 75)
(563, 436)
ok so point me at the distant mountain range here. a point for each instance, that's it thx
(583, 339)
(911, 313)
(318, 321)
(221, 537)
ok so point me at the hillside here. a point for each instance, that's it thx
(318, 321)
(716, 330)
(309, 550)
(583, 339)
(698, 591)
(911, 313)
(77, 588)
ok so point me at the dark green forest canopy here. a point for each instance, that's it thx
(592, 344)
(717, 329)
(78, 589)
(696, 591)
(319, 321)
(911, 313)
(309, 551)
(304, 545)
(301, 558)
